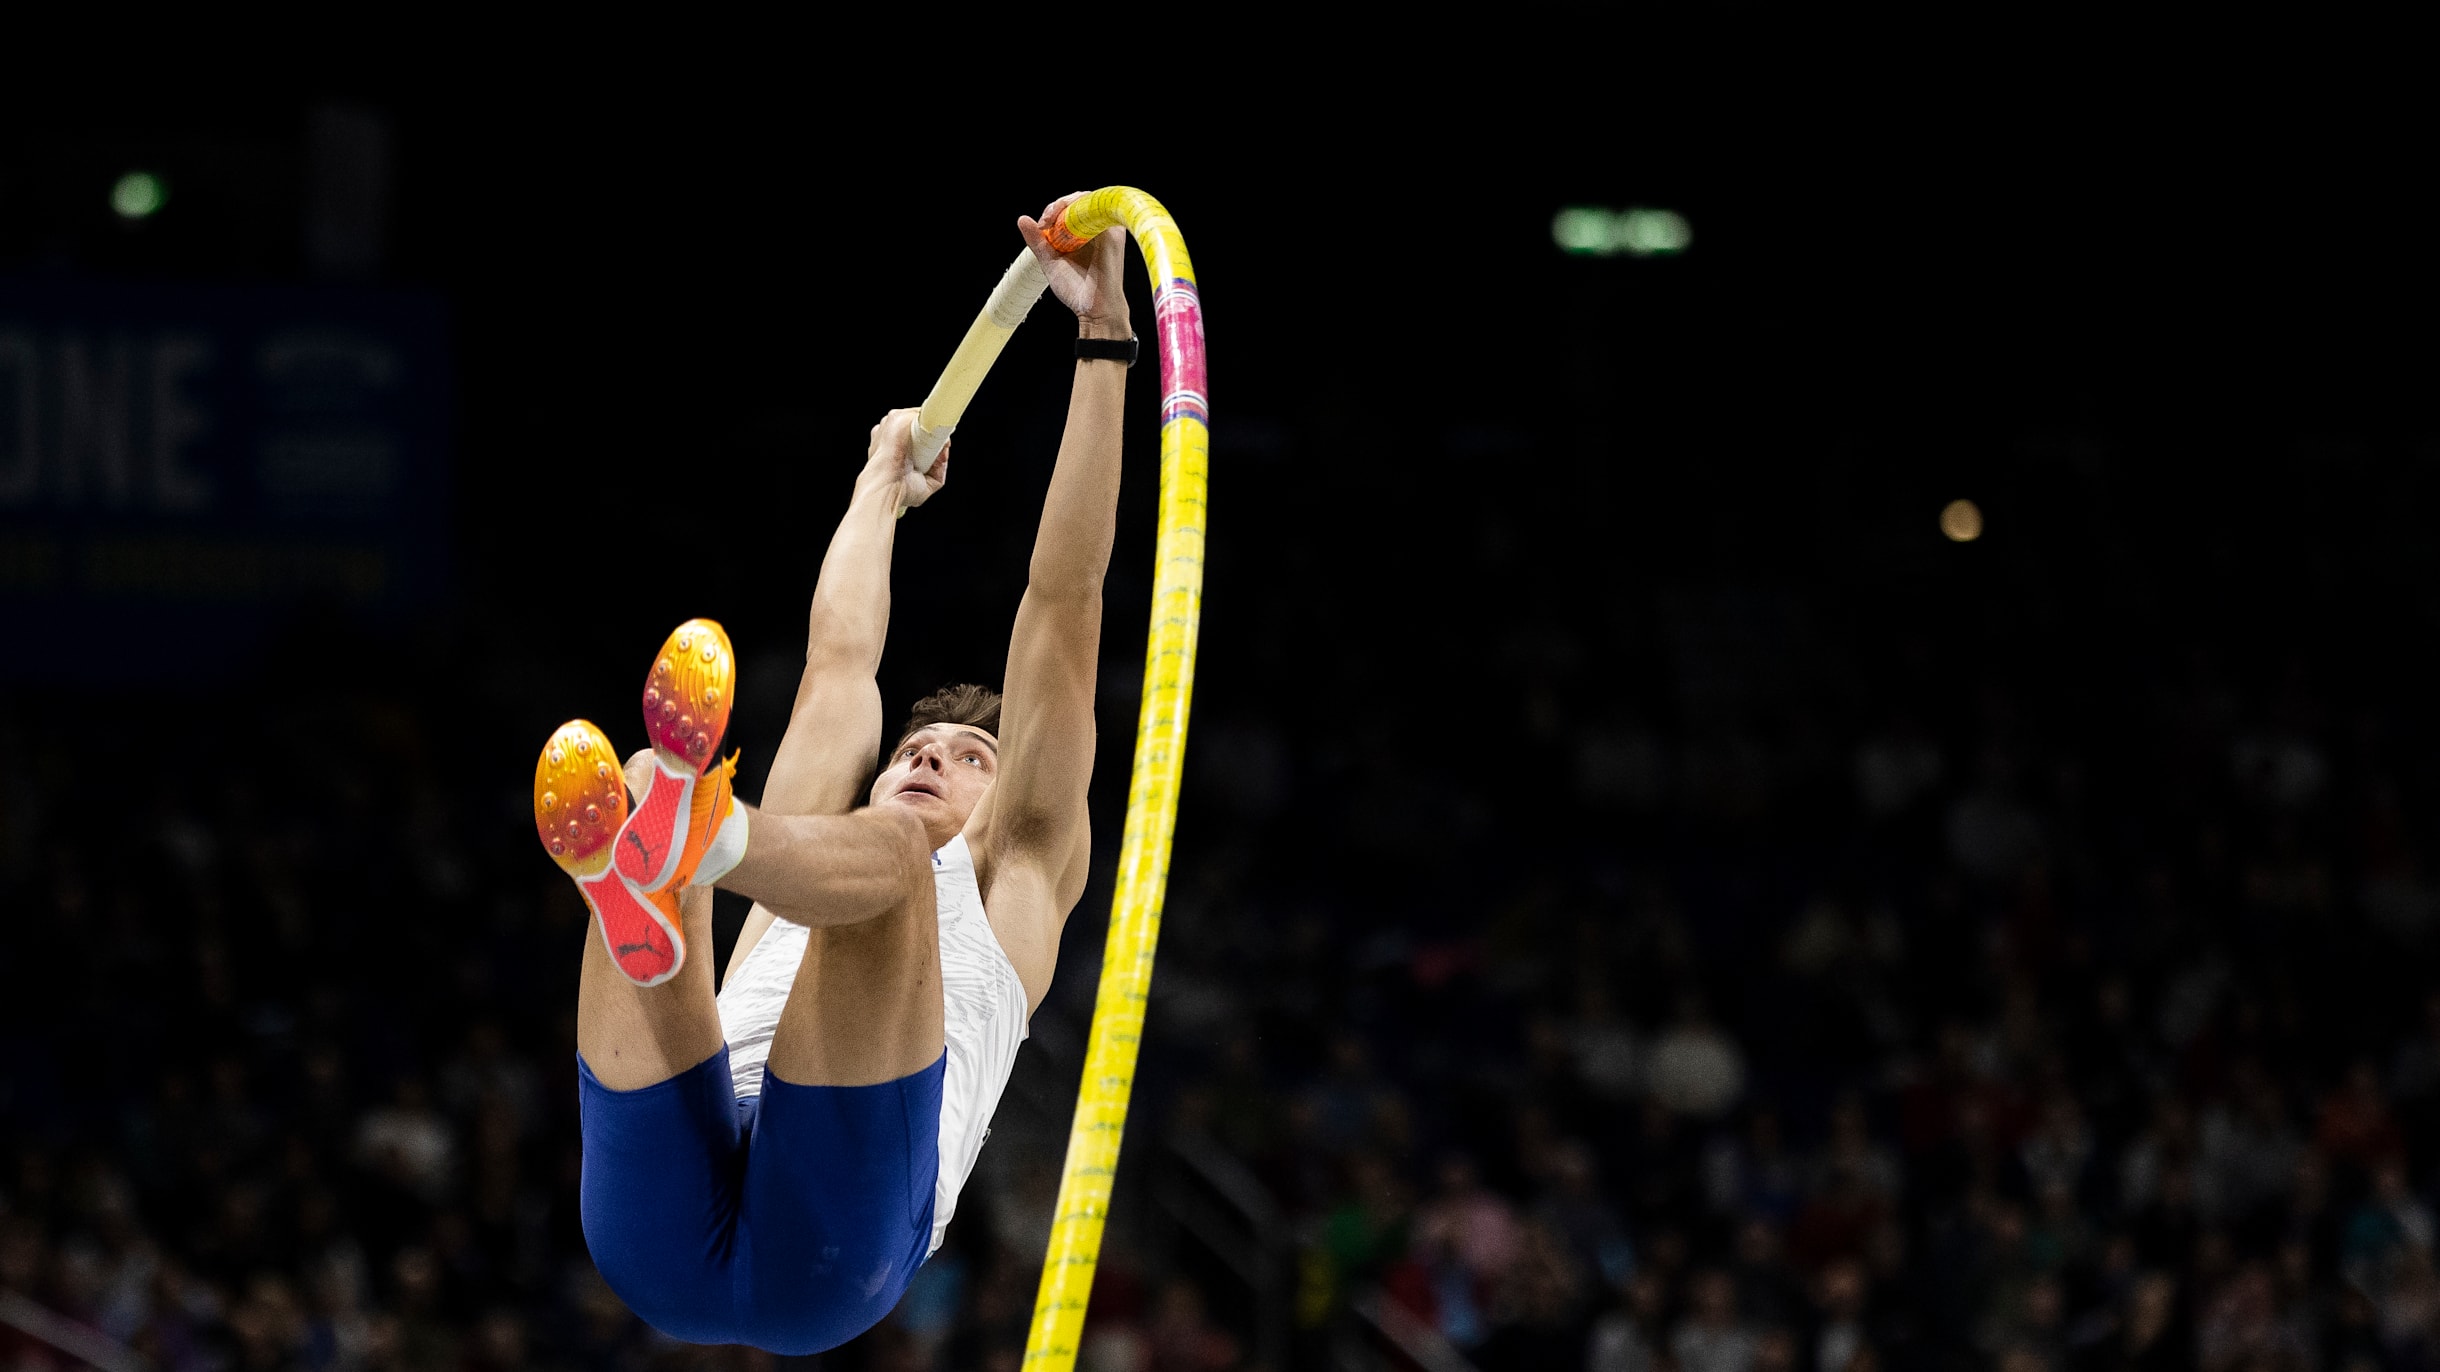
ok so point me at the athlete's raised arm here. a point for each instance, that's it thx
(835, 729)
(1030, 834)
(802, 862)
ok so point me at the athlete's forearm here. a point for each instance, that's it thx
(1080, 513)
(851, 600)
(823, 870)
(1046, 738)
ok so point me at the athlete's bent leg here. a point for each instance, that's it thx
(822, 870)
(644, 1010)
(637, 1036)
(866, 1005)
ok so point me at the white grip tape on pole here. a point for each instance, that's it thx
(928, 443)
(1020, 286)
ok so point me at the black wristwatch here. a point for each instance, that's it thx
(1106, 350)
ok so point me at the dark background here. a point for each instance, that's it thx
(1642, 895)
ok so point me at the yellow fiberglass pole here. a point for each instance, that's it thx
(1152, 791)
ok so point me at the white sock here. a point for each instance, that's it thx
(726, 850)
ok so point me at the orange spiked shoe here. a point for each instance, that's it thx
(580, 804)
(688, 806)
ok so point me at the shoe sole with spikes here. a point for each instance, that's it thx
(580, 804)
(687, 697)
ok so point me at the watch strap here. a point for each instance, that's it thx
(1106, 350)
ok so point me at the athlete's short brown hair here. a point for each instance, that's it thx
(976, 707)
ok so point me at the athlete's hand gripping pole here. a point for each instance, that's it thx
(1152, 791)
(1020, 286)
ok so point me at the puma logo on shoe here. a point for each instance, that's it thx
(640, 932)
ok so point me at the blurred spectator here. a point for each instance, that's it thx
(407, 1143)
(1630, 1336)
(2150, 1335)
(1693, 1068)
(1180, 1336)
(1993, 835)
(1756, 1172)
(1896, 766)
(1574, 1208)
(1768, 1291)
(2247, 1148)
(1841, 1338)
(2060, 1148)
(1538, 1315)
(1712, 1337)
(2387, 1232)
(2356, 1127)
(1465, 1239)
(270, 1327)
(1608, 1052)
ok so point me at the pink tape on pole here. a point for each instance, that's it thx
(1177, 313)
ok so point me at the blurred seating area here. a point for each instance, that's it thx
(1990, 1039)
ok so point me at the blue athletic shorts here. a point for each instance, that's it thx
(790, 1221)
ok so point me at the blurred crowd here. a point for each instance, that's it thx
(1981, 1035)
(1990, 1035)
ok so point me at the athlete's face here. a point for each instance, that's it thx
(940, 772)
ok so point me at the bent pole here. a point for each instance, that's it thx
(1152, 790)
(1020, 286)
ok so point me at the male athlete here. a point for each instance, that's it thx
(770, 1166)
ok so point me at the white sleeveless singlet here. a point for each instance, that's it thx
(983, 1000)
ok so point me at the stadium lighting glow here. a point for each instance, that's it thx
(1588, 232)
(138, 194)
(1962, 521)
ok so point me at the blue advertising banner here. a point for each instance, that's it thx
(181, 465)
